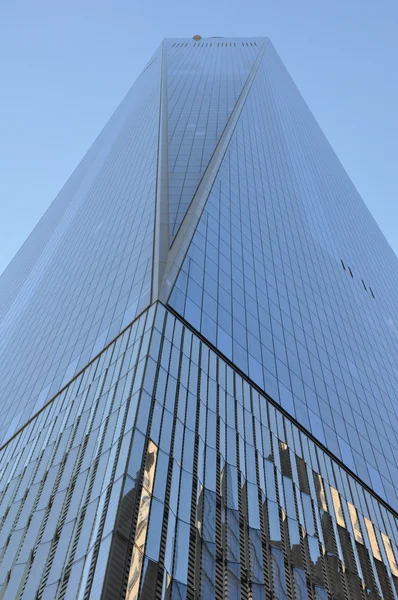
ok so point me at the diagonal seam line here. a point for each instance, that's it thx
(161, 217)
(182, 240)
(282, 410)
(231, 124)
(214, 150)
(48, 402)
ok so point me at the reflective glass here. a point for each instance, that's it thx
(290, 277)
(85, 271)
(163, 465)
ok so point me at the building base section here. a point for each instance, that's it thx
(160, 471)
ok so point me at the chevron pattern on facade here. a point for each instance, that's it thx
(198, 350)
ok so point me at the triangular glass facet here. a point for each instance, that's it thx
(204, 80)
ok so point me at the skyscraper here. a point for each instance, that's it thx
(198, 374)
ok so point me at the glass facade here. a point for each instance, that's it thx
(162, 472)
(85, 271)
(289, 277)
(198, 347)
(202, 89)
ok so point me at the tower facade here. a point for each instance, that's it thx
(198, 374)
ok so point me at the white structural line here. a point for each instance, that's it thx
(161, 232)
(182, 241)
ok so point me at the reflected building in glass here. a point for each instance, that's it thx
(199, 350)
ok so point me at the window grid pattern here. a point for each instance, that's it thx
(203, 84)
(263, 281)
(160, 472)
(62, 476)
(235, 500)
(85, 271)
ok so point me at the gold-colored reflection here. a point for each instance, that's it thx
(337, 507)
(142, 521)
(355, 523)
(321, 492)
(372, 538)
(150, 466)
(133, 586)
(168, 582)
(390, 554)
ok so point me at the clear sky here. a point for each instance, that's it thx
(65, 66)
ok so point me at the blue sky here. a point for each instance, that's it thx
(65, 67)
